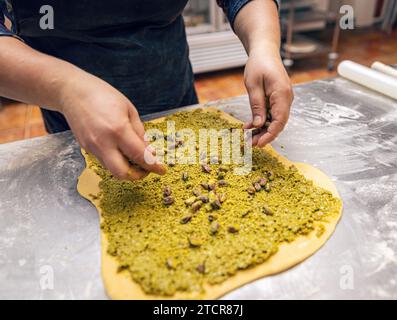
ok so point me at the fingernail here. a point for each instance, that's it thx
(257, 121)
(149, 158)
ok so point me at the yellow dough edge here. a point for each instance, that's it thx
(120, 286)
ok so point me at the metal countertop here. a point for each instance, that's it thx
(49, 235)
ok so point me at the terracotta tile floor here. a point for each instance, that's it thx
(19, 121)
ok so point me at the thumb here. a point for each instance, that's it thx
(256, 94)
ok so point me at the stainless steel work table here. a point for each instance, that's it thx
(49, 235)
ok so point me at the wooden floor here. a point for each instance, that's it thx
(19, 121)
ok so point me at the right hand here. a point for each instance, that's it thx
(107, 125)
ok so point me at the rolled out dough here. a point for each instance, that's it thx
(119, 285)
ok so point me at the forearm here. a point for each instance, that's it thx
(258, 27)
(29, 76)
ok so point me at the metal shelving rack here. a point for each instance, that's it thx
(294, 22)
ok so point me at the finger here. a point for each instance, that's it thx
(136, 173)
(118, 165)
(134, 148)
(248, 125)
(280, 104)
(139, 128)
(272, 132)
(136, 122)
(256, 94)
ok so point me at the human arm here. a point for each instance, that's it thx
(103, 120)
(257, 25)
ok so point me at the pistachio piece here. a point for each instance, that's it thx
(267, 211)
(170, 263)
(251, 190)
(171, 163)
(186, 219)
(216, 204)
(257, 186)
(196, 206)
(204, 199)
(211, 184)
(212, 195)
(233, 228)
(185, 176)
(168, 200)
(204, 185)
(222, 197)
(214, 227)
(245, 213)
(196, 192)
(212, 217)
(223, 169)
(270, 175)
(167, 191)
(190, 201)
(221, 175)
(267, 187)
(206, 168)
(195, 241)
(262, 182)
(201, 268)
(222, 183)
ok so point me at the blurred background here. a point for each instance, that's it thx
(313, 44)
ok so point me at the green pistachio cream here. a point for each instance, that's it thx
(200, 224)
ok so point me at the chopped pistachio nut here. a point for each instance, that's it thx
(196, 206)
(190, 201)
(251, 190)
(233, 228)
(214, 227)
(171, 263)
(222, 197)
(195, 241)
(167, 191)
(212, 217)
(206, 168)
(211, 184)
(222, 183)
(201, 268)
(168, 200)
(262, 182)
(186, 219)
(267, 211)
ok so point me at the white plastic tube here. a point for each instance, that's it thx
(369, 78)
(379, 66)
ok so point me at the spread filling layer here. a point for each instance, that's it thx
(201, 223)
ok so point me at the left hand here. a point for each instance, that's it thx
(265, 76)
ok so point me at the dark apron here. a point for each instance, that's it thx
(138, 46)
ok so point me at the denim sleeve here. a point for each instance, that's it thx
(3, 29)
(232, 7)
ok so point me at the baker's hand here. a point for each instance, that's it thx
(107, 125)
(265, 76)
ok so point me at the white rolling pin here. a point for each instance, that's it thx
(369, 78)
(379, 66)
